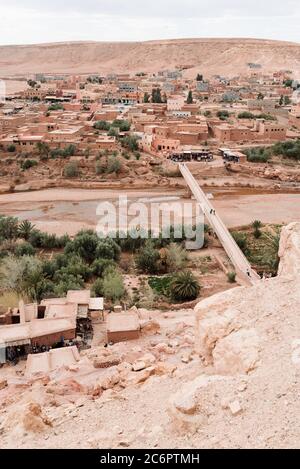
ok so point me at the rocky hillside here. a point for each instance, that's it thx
(238, 387)
(223, 56)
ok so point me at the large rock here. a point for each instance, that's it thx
(26, 417)
(237, 353)
(230, 326)
(109, 379)
(192, 405)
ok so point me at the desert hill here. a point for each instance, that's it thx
(223, 56)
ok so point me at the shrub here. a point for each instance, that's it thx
(123, 125)
(258, 155)
(100, 266)
(11, 148)
(184, 287)
(223, 114)
(56, 107)
(75, 267)
(130, 142)
(100, 168)
(161, 285)
(22, 275)
(42, 240)
(130, 243)
(289, 149)
(70, 150)
(113, 165)
(97, 288)
(113, 286)
(8, 227)
(108, 249)
(85, 245)
(231, 277)
(176, 257)
(246, 115)
(267, 117)
(241, 241)
(68, 282)
(101, 125)
(27, 164)
(148, 259)
(71, 170)
(25, 249)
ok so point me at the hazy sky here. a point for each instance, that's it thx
(34, 21)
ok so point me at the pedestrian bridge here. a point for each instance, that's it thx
(242, 266)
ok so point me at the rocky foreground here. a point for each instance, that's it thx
(229, 381)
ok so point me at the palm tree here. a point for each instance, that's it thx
(25, 229)
(256, 225)
(184, 287)
(43, 149)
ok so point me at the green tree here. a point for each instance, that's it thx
(43, 150)
(246, 115)
(99, 266)
(71, 170)
(27, 164)
(97, 288)
(146, 97)
(25, 249)
(199, 77)
(22, 275)
(68, 282)
(113, 165)
(108, 249)
(148, 259)
(130, 142)
(11, 148)
(223, 115)
(85, 245)
(113, 286)
(288, 83)
(156, 96)
(190, 98)
(122, 125)
(184, 287)
(32, 83)
(260, 96)
(241, 241)
(101, 125)
(256, 225)
(56, 107)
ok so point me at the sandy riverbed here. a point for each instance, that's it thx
(69, 210)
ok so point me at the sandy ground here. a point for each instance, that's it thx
(69, 210)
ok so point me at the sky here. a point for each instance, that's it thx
(40, 21)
